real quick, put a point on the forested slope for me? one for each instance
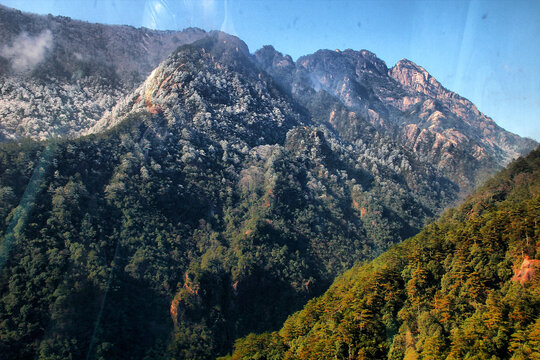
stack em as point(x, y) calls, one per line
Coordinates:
point(208, 206)
point(466, 287)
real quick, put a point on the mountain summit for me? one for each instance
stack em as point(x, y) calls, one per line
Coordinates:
point(404, 103)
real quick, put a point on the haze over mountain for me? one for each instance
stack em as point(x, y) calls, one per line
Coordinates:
point(216, 197)
point(60, 75)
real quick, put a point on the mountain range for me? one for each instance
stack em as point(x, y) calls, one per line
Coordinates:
point(164, 193)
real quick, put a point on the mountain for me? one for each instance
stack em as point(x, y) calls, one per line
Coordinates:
point(59, 76)
point(207, 205)
point(209, 201)
point(465, 287)
point(406, 104)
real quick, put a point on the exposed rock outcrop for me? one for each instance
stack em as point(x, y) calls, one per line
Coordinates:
point(404, 103)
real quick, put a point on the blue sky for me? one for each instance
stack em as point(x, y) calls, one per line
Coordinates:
point(485, 50)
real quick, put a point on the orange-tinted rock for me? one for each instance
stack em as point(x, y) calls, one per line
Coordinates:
point(174, 309)
point(527, 271)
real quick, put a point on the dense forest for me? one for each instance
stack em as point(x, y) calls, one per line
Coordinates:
point(465, 287)
point(213, 202)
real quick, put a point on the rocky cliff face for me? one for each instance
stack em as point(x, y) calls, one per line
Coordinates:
point(59, 75)
point(404, 103)
point(440, 110)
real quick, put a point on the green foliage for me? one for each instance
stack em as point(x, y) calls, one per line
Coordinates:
point(125, 224)
point(453, 291)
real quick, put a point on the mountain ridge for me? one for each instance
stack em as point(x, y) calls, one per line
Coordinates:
point(408, 105)
point(60, 75)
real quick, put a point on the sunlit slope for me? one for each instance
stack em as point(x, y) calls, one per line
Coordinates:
point(465, 287)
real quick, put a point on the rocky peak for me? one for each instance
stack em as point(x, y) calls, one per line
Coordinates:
point(367, 61)
point(446, 112)
point(222, 43)
point(280, 67)
point(350, 75)
point(416, 78)
point(268, 57)
point(212, 86)
point(348, 62)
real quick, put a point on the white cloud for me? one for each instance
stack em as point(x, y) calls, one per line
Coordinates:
point(26, 51)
